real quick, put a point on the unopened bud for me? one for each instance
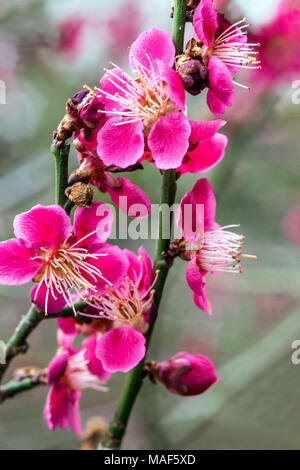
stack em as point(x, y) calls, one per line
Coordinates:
point(193, 74)
point(187, 374)
point(81, 194)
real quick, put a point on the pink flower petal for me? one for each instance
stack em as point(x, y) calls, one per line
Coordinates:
point(120, 145)
point(99, 217)
point(113, 266)
point(115, 76)
point(202, 130)
point(147, 269)
point(156, 44)
point(175, 87)
point(43, 226)
point(216, 106)
point(57, 367)
point(205, 21)
point(203, 194)
point(169, 140)
point(121, 349)
point(62, 409)
point(15, 265)
point(196, 211)
point(220, 91)
point(134, 195)
point(207, 154)
point(197, 284)
point(189, 218)
point(202, 302)
point(45, 300)
point(66, 332)
point(94, 364)
point(67, 325)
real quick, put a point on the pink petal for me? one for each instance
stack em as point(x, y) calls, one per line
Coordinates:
point(62, 408)
point(113, 266)
point(202, 130)
point(207, 154)
point(67, 325)
point(134, 195)
point(121, 349)
point(99, 217)
point(202, 302)
point(147, 269)
point(43, 226)
point(140, 269)
point(169, 140)
point(94, 364)
point(115, 76)
point(205, 21)
point(175, 87)
point(203, 194)
point(189, 218)
point(120, 145)
point(155, 43)
point(197, 284)
point(47, 303)
point(216, 106)
point(220, 91)
point(57, 367)
point(15, 265)
point(66, 332)
point(64, 340)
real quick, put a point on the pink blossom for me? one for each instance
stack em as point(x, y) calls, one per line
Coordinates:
point(70, 36)
point(212, 248)
point(150, 106)
point(123, 26)
point(101, 176)
point(291, 225)
point(69, 372)
point(61, 258)
point(187, 374)
point(128, 307)
point(280, 45)
point(224, 50)
point(206, 147)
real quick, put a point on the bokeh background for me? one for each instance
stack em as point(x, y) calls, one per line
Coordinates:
point(48, 50)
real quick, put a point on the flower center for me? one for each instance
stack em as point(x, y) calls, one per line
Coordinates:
point(144, 98)
point(65, 268)
point(232, 48)
point(222, 251)
point(125, 304)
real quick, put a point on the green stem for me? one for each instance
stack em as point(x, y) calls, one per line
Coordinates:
point(61, 156)
point(17, 342)
point(179, 19)
point(14, 387)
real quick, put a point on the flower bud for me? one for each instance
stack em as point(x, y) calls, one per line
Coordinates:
point(186, 374)
point(193, 74)
point(81, 194)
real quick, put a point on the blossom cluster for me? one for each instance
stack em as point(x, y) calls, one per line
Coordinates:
point(130, 120)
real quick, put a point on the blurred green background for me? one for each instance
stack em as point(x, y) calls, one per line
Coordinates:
point(255, 404)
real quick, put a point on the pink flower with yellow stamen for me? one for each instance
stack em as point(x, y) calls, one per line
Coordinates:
point(209, 248)
point(129, 307)
point(149, 106)
point(60, 258)
point(224, 50)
